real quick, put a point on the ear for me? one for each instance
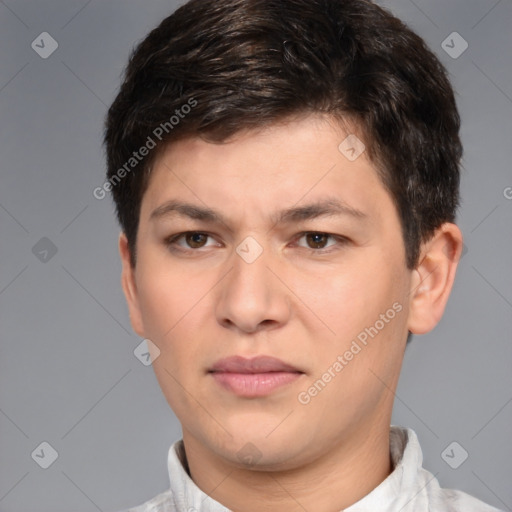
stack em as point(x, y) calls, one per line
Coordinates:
point(129, 285)
point(433, 278)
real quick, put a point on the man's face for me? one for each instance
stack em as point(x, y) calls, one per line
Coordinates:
point(326, 294)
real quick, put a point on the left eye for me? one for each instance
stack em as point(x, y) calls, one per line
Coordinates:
point(316, 240)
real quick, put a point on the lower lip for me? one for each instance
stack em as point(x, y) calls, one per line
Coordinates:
point(252, 385)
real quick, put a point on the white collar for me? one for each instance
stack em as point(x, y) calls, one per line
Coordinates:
point(409, 487)
point(405, 454)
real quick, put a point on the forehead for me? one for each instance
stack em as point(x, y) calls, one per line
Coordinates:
point(259, 171)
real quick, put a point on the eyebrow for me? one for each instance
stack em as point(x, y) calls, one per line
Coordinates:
point(322, 208)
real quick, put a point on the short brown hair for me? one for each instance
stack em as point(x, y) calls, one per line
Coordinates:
point(247, 63)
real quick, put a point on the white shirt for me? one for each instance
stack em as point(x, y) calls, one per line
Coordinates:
point(409, 488)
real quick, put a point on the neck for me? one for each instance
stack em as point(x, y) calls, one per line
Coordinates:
point(333, 481)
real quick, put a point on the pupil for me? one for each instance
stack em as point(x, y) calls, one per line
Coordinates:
point(317, 239)
point(195, 239)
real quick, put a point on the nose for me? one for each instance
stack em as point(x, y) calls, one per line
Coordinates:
point(251, 298)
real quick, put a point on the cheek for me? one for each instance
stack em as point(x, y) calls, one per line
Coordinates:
point(346, 299)
point(168, 308)
point(163, 301)
point(172, 307)
point(361, 306)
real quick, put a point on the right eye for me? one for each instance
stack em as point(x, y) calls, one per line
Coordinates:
point(192, 239)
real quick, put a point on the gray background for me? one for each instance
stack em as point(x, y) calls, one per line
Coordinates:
point(68, 374)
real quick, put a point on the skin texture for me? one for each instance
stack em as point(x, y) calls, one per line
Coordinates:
point(293, 302)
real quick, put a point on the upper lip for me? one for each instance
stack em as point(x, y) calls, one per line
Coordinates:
point(258, 364)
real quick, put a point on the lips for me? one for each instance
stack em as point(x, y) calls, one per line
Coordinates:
point(255, 377)
point(259, 364)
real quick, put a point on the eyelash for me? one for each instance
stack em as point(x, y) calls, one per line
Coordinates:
point(171, 242)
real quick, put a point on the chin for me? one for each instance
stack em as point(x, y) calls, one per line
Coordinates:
point(251, 449)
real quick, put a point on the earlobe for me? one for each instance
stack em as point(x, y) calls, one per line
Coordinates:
point(433, 278)
point(129, 285)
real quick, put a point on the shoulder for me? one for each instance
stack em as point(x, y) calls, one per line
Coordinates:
point(161, 503)
point(422, 488)
point(458, 501)
point(452, 500)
